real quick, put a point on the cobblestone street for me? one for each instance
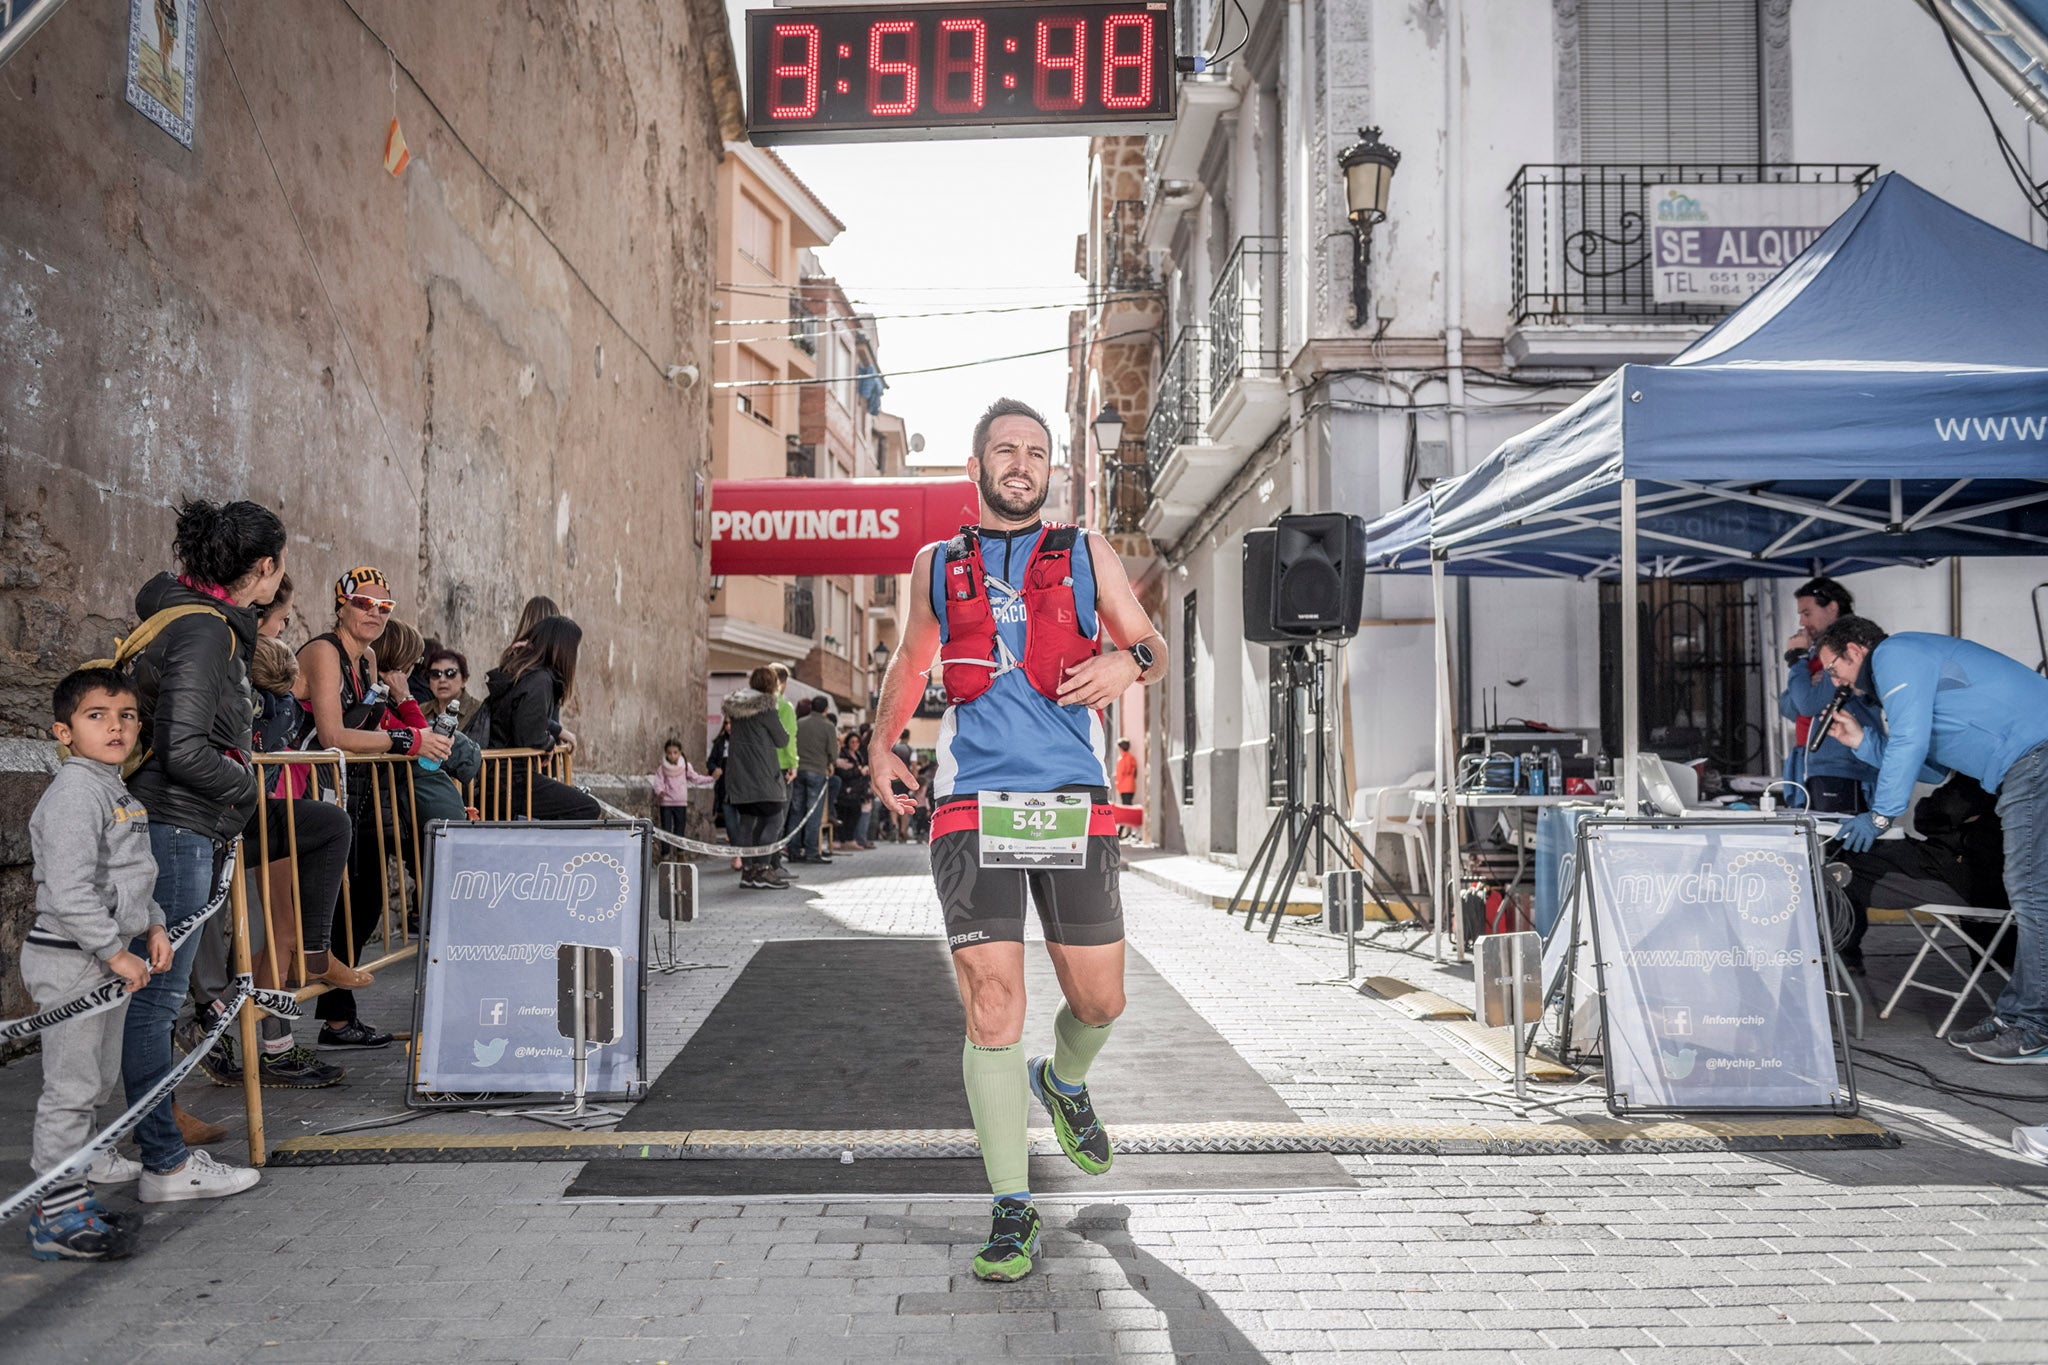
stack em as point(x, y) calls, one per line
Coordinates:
point(1930, 1252)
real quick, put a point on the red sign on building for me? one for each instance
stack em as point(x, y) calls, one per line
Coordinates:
point(832, 526)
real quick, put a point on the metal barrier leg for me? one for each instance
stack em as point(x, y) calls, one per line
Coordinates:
point(252, 1083)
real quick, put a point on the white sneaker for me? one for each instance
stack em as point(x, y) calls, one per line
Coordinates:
point(113, 1169)
point(201, 1177)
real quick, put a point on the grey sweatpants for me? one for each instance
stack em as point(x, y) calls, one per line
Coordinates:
point(81, 1057)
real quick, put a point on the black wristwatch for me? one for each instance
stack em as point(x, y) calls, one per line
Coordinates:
point(1142, 652)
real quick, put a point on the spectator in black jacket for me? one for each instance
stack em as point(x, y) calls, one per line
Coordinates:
point(195, 781)
point(1959, 859)
point(526, 691)
point(753, 775)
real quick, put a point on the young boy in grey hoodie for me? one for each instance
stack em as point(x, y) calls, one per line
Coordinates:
point(95, 882)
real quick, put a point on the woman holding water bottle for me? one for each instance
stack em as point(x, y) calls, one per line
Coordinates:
point(349, 702)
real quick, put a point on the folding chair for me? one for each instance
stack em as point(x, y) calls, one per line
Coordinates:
point(1931, 921)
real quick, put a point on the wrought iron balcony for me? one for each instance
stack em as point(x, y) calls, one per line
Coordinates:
point(1580, 242)
point(1244, 313)
point(803, 326)
point(1126, 488)
point(1127, 267)
point(800, 461)
point(799, 611)
point(1182, 401)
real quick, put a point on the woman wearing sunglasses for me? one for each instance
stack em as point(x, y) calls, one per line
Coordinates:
point(339, 670)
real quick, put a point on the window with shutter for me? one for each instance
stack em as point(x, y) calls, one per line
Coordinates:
point(751, 369)
point(1669, 81)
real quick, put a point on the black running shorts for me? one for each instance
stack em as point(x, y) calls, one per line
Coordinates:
point(1076, 905)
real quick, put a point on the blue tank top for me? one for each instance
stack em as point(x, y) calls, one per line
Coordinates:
point(1011, 737)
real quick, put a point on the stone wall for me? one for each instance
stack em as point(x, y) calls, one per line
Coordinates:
point(458, 374)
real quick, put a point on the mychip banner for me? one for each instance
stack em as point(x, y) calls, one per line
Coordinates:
point(502, 899)
point(1714, 974)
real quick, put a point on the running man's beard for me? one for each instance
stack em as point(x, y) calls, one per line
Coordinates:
point(1001, 502)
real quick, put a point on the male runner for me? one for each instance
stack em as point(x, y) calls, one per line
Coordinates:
point(1022, 726)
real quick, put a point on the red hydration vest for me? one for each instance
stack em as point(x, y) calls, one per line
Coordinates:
point(1053, 641)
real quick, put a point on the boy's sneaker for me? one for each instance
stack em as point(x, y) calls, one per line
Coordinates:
point(355, 1033)
point(221, 1065)
point(298, 1069)
point(1073, 1120)
point(2013, 1047)
point(1983, 1031)
point(1012, 1241)
point(201, 1177)
point(79, 1232)
point(113, 1169)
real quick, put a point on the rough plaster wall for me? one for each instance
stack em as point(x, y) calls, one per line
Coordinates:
point(415, 372)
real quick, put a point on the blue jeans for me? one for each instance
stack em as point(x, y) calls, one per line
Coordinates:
point(185, 864)
point(2023, 809)
point(803, 793)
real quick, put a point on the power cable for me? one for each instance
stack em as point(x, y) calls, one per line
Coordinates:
point(397, 462)
point(842, 320)
point(605, 307)
point(887, 375)
point(2036, 195)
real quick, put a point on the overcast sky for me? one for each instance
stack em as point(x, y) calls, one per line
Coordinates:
point(956, 226)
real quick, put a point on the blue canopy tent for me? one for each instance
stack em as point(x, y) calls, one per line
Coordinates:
point(1883, 400)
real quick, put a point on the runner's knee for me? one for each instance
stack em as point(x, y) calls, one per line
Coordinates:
point(995, 1011)
point(1098, 1008)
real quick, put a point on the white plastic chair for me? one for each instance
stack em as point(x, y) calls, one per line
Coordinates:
point(1931, 920)
point(1391, 810)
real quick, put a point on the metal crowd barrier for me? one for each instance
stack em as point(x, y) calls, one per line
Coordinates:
point(501, 790)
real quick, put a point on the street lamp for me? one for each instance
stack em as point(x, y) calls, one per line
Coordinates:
point(879, 657)
point(1369, 166)
point(1109, 429)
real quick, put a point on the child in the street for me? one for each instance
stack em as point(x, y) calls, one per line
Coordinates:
point(673, 780)
point(95, 879)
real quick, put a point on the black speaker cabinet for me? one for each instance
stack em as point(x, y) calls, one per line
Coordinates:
point(1318, 585)
point(1258, 589)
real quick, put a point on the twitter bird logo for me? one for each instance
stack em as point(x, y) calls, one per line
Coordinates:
point(1677, 1066)
point(487, 1054)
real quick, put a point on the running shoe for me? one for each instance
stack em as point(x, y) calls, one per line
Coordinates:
point(221, 1064)
point(355, 1033)
point(1073, 1120)
point(1012, 1241)
point(2013, 1047)
point(1983, 1031)
point(79, 1232)
point(298, 1069)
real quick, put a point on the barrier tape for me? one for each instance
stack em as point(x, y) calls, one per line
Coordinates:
point(713, 850)
point(110, 993)
point(74, 1167)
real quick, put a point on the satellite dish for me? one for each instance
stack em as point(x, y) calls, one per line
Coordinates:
point(916, 442)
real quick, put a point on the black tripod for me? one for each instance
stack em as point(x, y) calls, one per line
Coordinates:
point(1302, 825)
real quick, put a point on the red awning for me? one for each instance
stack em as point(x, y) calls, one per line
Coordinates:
point(828, 526)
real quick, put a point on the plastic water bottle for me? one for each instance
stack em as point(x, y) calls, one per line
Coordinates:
point(444, 725)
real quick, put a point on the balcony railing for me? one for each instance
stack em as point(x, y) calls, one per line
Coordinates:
point(883, 591)
point(1126, 489)
point(1183, 399)
point(799, 611)
point(1244, 313)
point(1580, 242)
point(1127, 267)
point(803, 326)
point(800, 461)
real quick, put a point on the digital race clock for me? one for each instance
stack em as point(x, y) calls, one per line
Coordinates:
point(866, 72)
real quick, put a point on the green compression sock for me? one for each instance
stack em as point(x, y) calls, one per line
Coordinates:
point(1074, 1047)
point(999, 1097)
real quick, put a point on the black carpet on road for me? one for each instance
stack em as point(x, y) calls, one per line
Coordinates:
point(865, 1033)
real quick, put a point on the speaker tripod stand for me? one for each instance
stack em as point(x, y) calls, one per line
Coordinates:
point(1303, 825)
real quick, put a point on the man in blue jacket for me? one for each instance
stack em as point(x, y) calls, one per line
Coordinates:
point(1950, 704)
point(1836, 782)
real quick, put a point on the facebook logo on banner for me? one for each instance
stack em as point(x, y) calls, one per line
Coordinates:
point(493, 1013)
